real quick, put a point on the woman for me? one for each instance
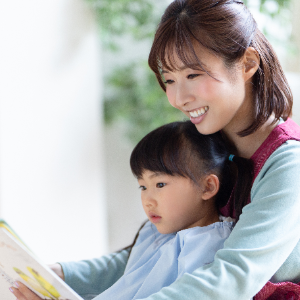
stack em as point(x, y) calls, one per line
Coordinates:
point(219, 69)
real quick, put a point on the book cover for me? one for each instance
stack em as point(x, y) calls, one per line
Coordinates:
point(18, 263)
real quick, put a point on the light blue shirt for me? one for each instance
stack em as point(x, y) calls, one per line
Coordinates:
point(157, 260)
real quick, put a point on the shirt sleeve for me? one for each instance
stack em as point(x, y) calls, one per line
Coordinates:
point(264, 237)
point(89, 278)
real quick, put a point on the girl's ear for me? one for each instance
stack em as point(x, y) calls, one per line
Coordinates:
point(211, 186)
point(251, 61)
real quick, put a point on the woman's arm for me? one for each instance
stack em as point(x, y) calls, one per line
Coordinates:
point(89, 278)
point(264, 237)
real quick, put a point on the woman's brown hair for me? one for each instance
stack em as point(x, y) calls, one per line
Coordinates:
point(225, 28)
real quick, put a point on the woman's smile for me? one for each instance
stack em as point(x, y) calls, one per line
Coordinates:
point(197, 115)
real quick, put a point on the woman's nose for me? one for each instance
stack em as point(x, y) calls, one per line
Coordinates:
point(183, 96)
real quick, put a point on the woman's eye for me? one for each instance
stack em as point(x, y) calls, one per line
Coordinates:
point(160, 185)
point(142, 187)
point(192, 76)
point(168, 81)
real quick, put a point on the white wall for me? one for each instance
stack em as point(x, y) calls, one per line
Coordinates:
point(52, 186)
point(125, 212)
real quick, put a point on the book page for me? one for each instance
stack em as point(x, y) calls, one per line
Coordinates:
point(17, 263)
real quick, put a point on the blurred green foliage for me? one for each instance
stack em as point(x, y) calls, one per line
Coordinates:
point(277, 25)
point(138, 101)
point(271, 8)
point(124, 17)
point(132, 94)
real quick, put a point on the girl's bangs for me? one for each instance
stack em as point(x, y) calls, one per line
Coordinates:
point(161, 151)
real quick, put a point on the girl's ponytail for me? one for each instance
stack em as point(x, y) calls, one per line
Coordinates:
point(243, 185)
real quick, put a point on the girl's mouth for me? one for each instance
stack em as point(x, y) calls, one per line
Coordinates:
point(198, 112)
point(154, 218)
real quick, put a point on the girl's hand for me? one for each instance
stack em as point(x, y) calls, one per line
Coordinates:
point(56, 268)
point(24, 293)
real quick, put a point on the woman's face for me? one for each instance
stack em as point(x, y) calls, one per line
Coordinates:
point(211, 102)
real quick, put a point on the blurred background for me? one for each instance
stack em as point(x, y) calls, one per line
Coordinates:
point(76, 95)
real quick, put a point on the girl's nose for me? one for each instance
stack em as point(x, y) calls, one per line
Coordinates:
point(149, 200)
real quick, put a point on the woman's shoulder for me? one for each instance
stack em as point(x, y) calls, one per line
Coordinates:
point(285, 155)
point(281, 169)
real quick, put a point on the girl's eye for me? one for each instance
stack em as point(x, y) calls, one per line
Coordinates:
point(192, 76)
point(142, 187)
point(160, 185)
point(168, 81)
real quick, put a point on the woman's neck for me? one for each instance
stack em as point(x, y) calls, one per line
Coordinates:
point(246, 146)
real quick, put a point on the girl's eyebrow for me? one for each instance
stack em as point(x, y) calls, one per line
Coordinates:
point(156, 174)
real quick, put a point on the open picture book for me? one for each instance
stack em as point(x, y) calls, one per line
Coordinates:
point(18, 263)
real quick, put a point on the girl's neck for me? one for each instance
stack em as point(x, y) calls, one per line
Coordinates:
point(210, 214)
point(246, 146)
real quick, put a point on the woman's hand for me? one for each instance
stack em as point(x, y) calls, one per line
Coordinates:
point(23, 292)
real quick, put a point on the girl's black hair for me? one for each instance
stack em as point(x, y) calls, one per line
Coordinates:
point(178, 149)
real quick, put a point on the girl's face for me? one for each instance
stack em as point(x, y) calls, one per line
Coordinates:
point(211, 102)
point(173, 203)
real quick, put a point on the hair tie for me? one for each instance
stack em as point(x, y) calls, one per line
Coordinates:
point(231, 156)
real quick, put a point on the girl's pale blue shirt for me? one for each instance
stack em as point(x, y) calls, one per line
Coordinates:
point(157, 260)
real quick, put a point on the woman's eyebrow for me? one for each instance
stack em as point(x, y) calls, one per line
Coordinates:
point(195, 67)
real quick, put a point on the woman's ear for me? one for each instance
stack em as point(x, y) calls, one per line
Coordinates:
point(211, 186)
point(251, 61)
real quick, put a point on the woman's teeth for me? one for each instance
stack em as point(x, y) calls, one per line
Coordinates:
point(198, 112)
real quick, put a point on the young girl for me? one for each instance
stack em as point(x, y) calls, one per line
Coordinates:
point(185, 178)
point(218, 68)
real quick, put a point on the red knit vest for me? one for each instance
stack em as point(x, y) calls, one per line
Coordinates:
point(288, 130)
